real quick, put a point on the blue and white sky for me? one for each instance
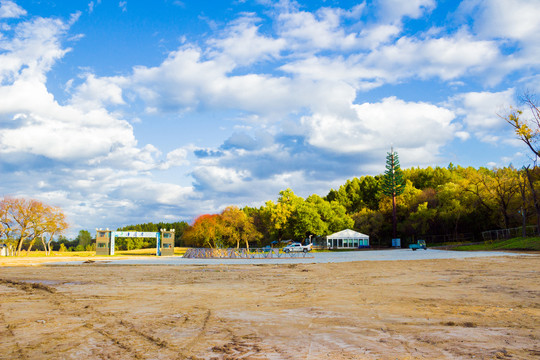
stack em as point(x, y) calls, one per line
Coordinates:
point(125, 112)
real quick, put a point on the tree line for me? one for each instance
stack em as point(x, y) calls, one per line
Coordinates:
point(140, 243)
point(441, 201)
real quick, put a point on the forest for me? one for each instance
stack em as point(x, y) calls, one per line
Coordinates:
point(437, 204)
point(441, 204)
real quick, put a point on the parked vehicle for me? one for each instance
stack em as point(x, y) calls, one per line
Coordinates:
point(420, 244)
point(297, 247)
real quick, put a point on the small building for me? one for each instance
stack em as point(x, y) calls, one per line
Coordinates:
point(347, 239)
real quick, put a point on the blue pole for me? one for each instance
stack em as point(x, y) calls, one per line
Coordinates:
point(158, 244)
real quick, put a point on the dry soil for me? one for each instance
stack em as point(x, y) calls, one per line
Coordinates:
point(482, 308)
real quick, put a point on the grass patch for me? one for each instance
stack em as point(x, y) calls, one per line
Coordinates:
point(39, 253)
point(527, 244)
point(139, 252)
point(149, 251)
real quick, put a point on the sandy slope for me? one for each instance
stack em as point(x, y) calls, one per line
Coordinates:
point(484, 308)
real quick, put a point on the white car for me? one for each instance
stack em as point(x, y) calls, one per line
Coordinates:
point(297, 247)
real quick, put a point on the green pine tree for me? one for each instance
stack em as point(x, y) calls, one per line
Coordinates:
point(393, 184)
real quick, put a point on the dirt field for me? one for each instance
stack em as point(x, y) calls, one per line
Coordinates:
point(484, 308)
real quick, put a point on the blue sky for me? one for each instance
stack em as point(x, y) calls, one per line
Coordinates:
point(125, 112)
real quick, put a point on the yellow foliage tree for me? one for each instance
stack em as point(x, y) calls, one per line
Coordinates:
point(26, 220)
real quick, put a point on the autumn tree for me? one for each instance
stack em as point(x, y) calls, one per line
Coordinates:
point(26, 220)
point(501, 185)
point(54, 223)
point(526, 123)
point(393, 184)
point(238, 227)
point(279, 215)
point(206, 231)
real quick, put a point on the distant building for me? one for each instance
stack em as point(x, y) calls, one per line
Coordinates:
point(347, 239)
point(6, 250)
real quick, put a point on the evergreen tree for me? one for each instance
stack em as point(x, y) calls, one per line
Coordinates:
point(393, 184)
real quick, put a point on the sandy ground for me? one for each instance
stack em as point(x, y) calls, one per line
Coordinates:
point(482, 308)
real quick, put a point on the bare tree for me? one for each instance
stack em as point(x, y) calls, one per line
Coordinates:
point(527, 128)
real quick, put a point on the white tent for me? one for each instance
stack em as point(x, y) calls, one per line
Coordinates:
point(347, 239)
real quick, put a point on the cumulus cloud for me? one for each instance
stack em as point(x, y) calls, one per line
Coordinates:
point(315, 31)
point(243, 43)
point(514, 24)
point(292, 101)
point(8, 9)
point(516, 19)
point(395, 10)
point(31, 50)
point(80, 147)
point(446, 57)
point(480, 112)
point(377, 125)
point(96, 92)
point(42, 127)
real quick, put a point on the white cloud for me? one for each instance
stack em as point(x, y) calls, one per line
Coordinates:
point(514, 25)
point(516, 19)
point(335, 69)
point(243, 44)
point(310, 32)
point(96, 92)
point(395, 10)
point(221, 179)
point(181, 81)
point(177, 157)
point(463, 135)
point(446, 57)
point(123, 5)
point(481, 110)
point(307, 112)
point(420, 128)
point(8, 9)
point(92, 5)
point(42, 127)
point(185, 81)
point(33, 49)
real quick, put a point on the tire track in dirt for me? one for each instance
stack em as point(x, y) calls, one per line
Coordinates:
point(9, 331)
point(189, 346)
point(247, 346)
point(126, 336)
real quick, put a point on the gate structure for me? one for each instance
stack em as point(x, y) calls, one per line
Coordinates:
point(105, 240)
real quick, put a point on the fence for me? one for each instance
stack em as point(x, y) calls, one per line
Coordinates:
point(446, 238)
point(504, 234)
point(254, 253)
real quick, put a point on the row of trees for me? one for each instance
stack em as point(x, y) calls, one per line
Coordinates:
point(229, 229)
point(428, 202)
point(24, 221)
point(410, 203)
point(446, 202)
point(138, 243)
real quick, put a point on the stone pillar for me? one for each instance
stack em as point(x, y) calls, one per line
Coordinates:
point(167, 242)
point(103, 242)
